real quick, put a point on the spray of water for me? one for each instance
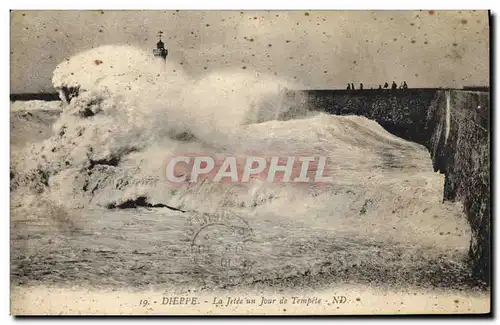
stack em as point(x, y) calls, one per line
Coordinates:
point(127, 112)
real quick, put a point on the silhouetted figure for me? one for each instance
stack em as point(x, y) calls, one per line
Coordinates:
point(379, 86)
point(394, 85)
point(360, 86)
point(405, 86)
point(386, 85)
point(401, 86)
point(348, 86)
point(352, 86)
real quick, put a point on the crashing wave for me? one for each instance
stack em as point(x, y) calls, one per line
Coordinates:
point(132, 112)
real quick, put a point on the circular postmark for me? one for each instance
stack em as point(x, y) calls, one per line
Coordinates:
point(220, 243)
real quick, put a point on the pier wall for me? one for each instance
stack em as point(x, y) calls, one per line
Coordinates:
point(454, 125)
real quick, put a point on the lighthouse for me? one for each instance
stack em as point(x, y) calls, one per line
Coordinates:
point(160, 50)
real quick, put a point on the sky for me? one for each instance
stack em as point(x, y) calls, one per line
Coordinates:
point(318, 49)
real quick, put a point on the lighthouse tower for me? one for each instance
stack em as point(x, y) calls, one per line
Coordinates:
point(160, 50)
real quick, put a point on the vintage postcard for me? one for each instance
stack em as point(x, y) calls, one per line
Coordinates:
point(268, 162)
